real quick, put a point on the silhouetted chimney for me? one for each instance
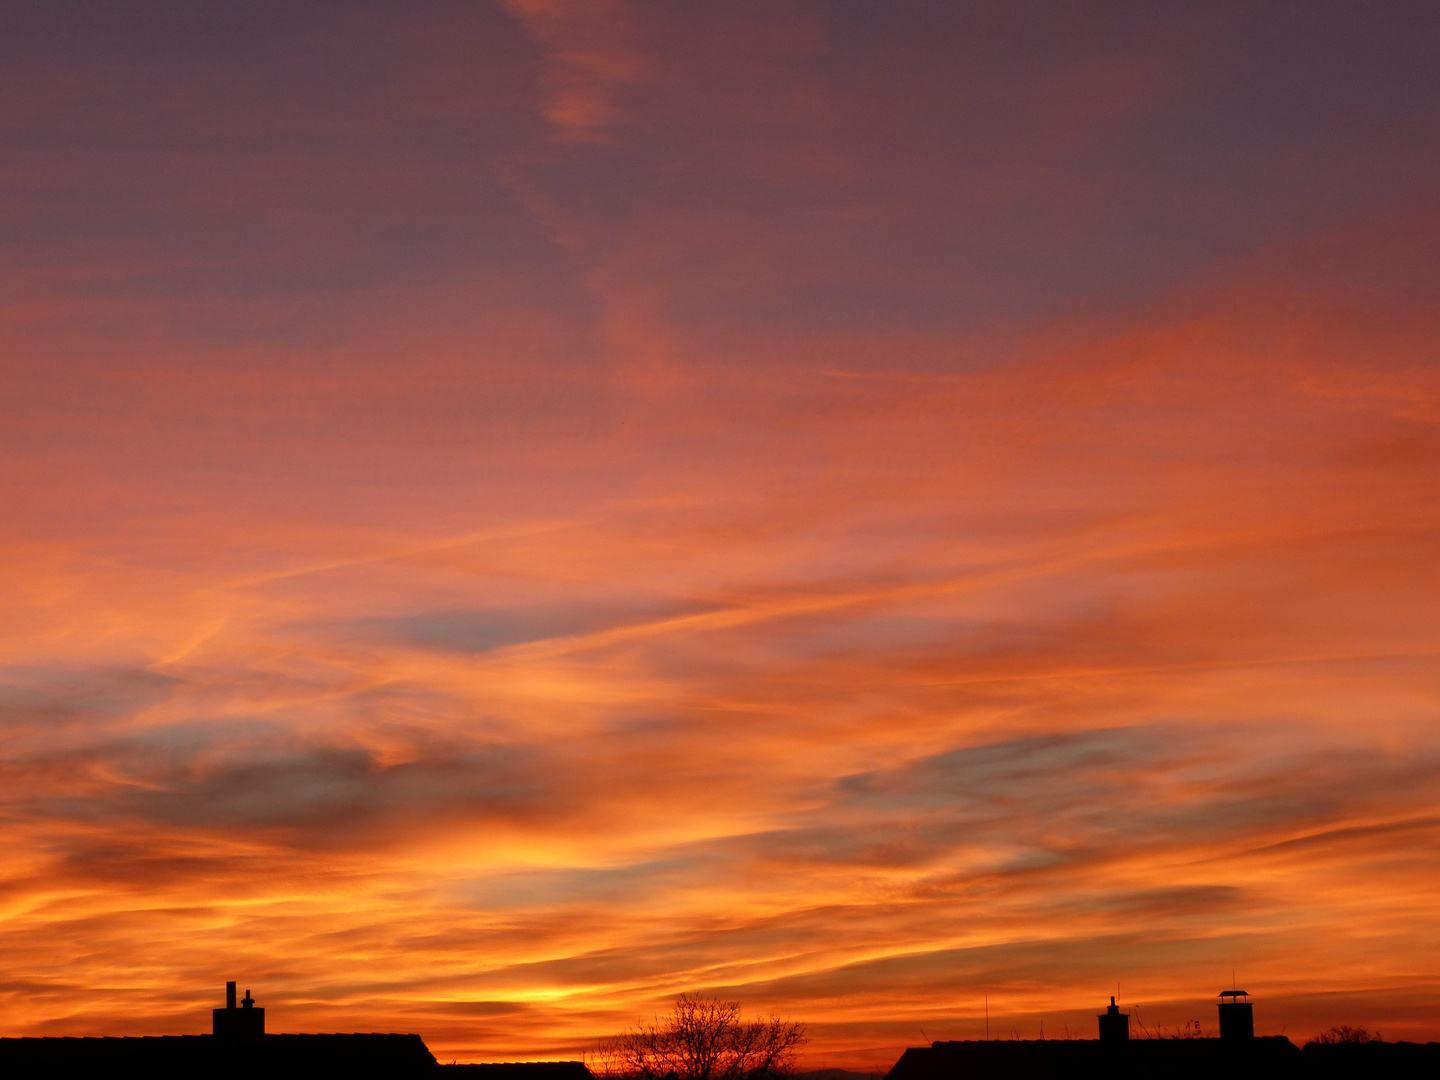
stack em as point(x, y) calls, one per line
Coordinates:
point(1237, 1018)
point(245, 1022)
point(1114, 1025)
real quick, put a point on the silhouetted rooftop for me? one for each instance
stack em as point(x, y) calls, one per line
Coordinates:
point(1271, 1056)
point(261, 1057)
point(1371, 1059)
point(1138, 1059)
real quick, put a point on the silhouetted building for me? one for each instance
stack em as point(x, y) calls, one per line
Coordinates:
point(239, 1049)
point(1237, 1055)
point(1274, 1058)
point(243, 1023)
point(1237, 1018)
point(188, 1057)
point(1114, 1025)
point(1341, 1061)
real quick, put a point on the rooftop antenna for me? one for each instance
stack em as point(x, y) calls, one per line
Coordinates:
point(987, 1017)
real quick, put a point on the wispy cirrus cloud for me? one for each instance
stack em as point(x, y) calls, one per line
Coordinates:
point(515, 513)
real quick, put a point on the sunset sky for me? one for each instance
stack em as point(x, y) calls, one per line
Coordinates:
point(510, 512)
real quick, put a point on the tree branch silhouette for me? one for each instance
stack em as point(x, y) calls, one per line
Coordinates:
point(703, 1038)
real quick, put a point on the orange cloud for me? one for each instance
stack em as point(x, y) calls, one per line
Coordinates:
point(722, 570)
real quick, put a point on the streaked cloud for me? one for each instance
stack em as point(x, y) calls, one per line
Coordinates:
point(516, 512)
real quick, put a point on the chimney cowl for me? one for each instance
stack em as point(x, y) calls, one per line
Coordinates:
point(1114, 1025)
point(1237, 1016)
point(246, 1022)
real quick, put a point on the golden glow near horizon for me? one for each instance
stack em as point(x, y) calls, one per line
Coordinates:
point(628, 505)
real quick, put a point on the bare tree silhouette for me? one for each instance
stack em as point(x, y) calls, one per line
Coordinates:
point(703, 1038)
point(1345, 1033)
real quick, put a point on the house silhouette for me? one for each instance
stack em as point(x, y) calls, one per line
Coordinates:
point(1238, 1054)
point(238, 1046)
